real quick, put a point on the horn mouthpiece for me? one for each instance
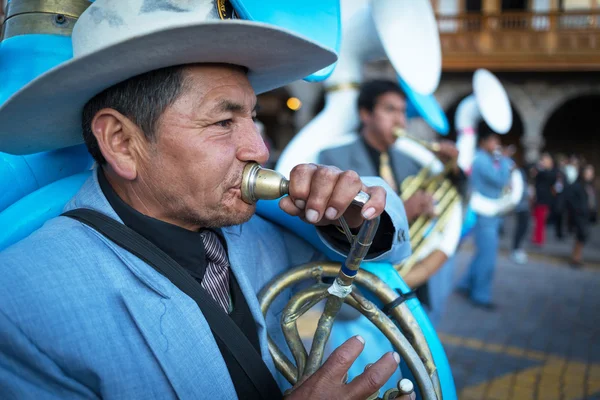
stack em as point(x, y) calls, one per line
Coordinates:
point(262, 184)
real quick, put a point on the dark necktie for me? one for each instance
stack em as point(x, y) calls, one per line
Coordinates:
point(216, 277)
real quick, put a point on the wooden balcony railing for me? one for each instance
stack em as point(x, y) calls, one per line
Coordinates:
point(523, 41)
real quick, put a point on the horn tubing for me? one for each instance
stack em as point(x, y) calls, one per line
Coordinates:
point(401, 314)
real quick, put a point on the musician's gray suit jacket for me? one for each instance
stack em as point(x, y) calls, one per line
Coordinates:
point(355, 156)
point(81, 318)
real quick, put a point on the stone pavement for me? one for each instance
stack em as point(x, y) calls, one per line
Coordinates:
point(541, 343)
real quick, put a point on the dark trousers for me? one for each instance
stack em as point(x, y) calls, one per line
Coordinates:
point(521, 227)
point(559, 224)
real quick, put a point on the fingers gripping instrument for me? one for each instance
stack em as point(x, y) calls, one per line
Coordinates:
point(259, 183)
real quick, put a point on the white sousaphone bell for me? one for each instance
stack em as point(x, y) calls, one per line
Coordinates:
point(489, 101)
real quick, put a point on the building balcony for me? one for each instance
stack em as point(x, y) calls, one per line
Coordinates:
point(521, 41)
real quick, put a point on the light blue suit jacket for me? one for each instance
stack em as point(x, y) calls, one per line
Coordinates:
point(489, 176)
point(82, 318)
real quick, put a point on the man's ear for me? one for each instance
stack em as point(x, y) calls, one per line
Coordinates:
point(365, 115)
point(121, 142)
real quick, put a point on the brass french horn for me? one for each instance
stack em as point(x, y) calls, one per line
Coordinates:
point(408, 339)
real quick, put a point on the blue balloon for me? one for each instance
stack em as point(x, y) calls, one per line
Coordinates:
point(319, 20)
point(426, 107)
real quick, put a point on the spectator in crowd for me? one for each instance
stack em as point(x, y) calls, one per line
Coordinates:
point(544, 182)
point(558, 190)
point(572, 169)
point(583, 205)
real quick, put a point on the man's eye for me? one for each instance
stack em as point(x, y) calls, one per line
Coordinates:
point(226, 123)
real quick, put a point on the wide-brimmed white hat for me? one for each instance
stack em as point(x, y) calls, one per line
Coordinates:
point(114, 40)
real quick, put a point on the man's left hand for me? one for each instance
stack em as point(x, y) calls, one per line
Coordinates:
point(321, 194)
point(447, 151)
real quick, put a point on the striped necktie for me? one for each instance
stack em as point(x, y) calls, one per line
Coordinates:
point(385, 171)
point(216, 277)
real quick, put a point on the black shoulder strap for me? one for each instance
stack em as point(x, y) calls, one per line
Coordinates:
point(224, 328)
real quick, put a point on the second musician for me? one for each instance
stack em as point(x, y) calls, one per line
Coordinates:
point(382, 109)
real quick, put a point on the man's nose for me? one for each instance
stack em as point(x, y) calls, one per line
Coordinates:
point(401, 121)
point(253, 146)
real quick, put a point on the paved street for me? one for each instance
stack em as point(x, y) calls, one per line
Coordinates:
point(542, 342)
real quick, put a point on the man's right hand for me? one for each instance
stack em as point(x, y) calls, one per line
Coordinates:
point(420, 203)
point(328, 382)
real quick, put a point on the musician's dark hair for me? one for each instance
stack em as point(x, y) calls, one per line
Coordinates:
point(143, 99)
point(483, 131)
point(370, 92)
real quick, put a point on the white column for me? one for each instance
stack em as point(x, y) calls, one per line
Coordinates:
point(532, 140)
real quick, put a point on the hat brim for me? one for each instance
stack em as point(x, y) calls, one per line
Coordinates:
point(46, 113)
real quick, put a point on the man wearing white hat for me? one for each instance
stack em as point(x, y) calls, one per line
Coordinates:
point(164, 92)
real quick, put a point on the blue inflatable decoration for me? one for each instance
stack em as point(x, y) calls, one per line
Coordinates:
point(25, 57)
point(28, 214)
point(35, 187)
point(21, 175)
point(318, 20)
point(426, 107)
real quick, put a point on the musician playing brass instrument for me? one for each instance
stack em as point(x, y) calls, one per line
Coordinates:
point(382, 109)
point(164, 93)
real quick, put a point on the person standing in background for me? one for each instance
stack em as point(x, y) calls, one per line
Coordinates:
point(582, 203)
point(572, 169)
point(489, 176)
point(558, 189)
point(544, 181)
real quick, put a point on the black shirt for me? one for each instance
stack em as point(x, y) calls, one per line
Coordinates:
point(187, 249)
point(544, 181)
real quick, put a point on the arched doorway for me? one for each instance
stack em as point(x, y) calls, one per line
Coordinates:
point(512, 137)
point(573, 128)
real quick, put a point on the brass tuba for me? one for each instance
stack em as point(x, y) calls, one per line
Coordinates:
point(259, 183)
point(446, 198)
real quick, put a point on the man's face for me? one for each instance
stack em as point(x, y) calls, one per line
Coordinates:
point(388, 114)
point(203, 141)
point(547, 162)
point(491, 143)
